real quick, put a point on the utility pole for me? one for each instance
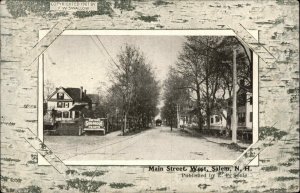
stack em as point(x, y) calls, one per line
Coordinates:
point(234, 99)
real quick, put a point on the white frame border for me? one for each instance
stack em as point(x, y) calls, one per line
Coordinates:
point(254, 33)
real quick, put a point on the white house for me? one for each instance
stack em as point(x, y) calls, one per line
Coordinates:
point(244, 113)
point(68, 103)
point(218, 120)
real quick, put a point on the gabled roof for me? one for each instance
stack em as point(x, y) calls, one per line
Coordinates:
point(56, 90)
point(77, 107)
point(74, 93)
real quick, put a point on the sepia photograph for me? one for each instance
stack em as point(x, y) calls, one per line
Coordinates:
point(147, 97)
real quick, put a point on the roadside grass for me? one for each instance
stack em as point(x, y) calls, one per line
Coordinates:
point(233, 146)
point(134, 131)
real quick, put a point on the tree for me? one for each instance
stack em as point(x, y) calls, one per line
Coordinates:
point(244, 61)
point(197, 64)
point(135, 90)
point(206, 62)
point(49, 88)
point(175, 95)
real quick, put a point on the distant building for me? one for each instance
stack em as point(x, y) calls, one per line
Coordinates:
point(68, 103)
point(185, 115)
point(219, 118)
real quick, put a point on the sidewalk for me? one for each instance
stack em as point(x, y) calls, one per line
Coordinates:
point(217, 140)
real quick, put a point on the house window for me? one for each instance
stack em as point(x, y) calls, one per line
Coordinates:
point(58, 114)
point(60, 95)
point(250, 100)
point(241, 118)
point(66, 105)
point(59, 104)
point(212, 120)
point(217, 119)
point(66, 114)
point(251, 117)
point(76, 114)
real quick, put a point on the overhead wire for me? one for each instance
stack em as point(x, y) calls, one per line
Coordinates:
point(108, 53)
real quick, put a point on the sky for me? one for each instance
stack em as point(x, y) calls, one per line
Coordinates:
point(74, 61)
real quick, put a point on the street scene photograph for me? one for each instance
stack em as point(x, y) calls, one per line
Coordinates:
point(147, 97)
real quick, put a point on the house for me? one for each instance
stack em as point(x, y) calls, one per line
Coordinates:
point(68, 103)
point(185, 115)
point(219, 118)
point(245, 110)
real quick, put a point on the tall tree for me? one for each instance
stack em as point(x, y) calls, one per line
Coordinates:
point(135, 89)
point(196, 63)
point(175, 95)
point(206, 61)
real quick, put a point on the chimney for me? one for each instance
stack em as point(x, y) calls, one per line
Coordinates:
point(81, 91)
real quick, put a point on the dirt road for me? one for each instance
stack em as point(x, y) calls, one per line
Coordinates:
point(158, 143)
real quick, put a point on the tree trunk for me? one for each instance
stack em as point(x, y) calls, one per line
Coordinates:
point(199, 115)
point(207, 90)
point(125, 120)
point(207, 104)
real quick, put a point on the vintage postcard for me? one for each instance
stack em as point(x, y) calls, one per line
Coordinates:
point(149, 96)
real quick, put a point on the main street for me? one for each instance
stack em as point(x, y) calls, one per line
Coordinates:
point(159, 143)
